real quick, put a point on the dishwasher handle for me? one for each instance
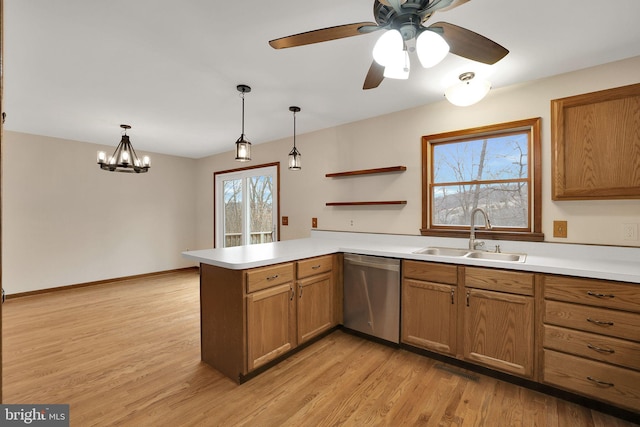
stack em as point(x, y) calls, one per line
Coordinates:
point(373, 262)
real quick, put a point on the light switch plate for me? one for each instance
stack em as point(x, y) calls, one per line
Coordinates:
point(314, 222)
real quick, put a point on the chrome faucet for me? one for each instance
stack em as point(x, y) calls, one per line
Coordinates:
point(473, 244)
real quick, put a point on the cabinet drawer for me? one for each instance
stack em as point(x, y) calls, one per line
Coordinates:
point(313, 266)
point(513, 282)
point(600, 381)
point(598, 347)
point(599, 293)
point(430, 271)
point(266, 277)
point(592, 319)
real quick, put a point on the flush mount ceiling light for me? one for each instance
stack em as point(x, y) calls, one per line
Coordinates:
point(124, 159)
point(243, 146)
point(295, 158)
point(468, 91)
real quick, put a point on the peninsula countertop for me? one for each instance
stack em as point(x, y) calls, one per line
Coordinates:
point(590, 261)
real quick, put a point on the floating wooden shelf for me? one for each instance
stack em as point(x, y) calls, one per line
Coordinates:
point(383, 202)
point(367, 171)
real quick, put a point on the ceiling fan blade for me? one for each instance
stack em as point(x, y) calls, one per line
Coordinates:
point(453, 4)
point(322, 35)
point(374, 76)
point(468, 44)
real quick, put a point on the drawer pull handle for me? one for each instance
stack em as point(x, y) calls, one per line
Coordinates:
point(601, 383)
point(275, 276)
point(599, 322)
point(315, 267)
point(600, 349)
point(597, 295)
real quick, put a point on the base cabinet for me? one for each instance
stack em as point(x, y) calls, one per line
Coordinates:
point(490, 324)
point(252, 317)
point(591, 339)
point(270, 324)
point(429, 307)
point(499, 331)
point(315, 297)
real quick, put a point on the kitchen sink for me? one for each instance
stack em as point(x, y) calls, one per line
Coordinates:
point(466, 253)
point(442, 251)
point(496, 256)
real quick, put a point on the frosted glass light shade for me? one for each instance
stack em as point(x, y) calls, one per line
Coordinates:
point(387, 46)
point(468, 91)
point(399, 67)
point(431, 48)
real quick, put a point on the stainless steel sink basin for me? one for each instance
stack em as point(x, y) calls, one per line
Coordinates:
point(497, 256)
point(466, 253)
point(442, 251)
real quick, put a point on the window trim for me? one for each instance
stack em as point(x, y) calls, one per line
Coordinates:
point(277, 194)
point(535, 193)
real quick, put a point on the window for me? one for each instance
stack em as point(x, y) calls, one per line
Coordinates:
point(496, 168)
point(246, 205)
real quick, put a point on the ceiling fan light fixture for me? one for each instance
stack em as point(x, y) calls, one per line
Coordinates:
point(387, 47)
point(243, 146)
point(399, 67)
point(431, 48)
point(468, 91)
point(295, 158)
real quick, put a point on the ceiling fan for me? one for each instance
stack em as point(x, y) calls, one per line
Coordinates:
point(406, 17)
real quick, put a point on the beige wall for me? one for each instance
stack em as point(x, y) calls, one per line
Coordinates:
point(65, 221)
point(394, 139)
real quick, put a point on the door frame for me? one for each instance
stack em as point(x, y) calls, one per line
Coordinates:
point(276, 193)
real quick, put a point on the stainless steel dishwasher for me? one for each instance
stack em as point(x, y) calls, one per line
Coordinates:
point(372, 296)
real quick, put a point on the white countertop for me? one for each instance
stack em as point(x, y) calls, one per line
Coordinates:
point(599, 262)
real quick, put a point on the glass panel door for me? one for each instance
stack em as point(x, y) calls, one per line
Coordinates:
point(244, 207)
point(261, 221)
point(233, 212)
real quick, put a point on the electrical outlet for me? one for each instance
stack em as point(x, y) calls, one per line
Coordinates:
point(314, 222)
point(560, 229)
point(285, 220)
point(629, 231)
point(351, 223)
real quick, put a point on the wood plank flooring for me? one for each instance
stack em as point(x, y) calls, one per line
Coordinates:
point(128, 354)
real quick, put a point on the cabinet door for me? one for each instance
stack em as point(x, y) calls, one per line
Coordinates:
point(315, 306)
point(429, 315)
point(498, 329)
point(270, 324)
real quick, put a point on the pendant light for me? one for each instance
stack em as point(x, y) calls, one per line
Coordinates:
point(468, 91)
point(124, 159)
point(295, 158)
point(243, 146)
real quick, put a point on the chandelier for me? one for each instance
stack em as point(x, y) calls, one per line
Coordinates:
point(124, 159)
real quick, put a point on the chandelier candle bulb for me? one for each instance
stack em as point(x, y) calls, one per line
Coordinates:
point(102, 157)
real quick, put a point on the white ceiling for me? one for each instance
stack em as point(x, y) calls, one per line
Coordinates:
point(77, 69)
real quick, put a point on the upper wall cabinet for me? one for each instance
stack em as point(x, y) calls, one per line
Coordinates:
point(596, 145)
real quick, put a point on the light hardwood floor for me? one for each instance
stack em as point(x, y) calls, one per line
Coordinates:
point(127, 353)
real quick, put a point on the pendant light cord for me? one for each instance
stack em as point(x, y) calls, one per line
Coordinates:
point(294, 129)
point(243, 113)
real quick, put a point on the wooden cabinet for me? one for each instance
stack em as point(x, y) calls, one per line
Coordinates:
point(429, 307)
point(315, 297)
point(498, 320)
point(270, 324)
point(490, 324)
point(252, 317)
point(595, 145)
point(591, 338)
